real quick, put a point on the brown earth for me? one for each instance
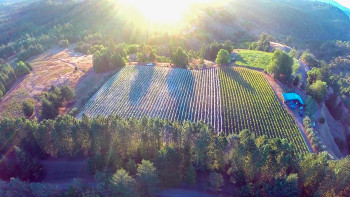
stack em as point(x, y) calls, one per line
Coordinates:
point(54, 67)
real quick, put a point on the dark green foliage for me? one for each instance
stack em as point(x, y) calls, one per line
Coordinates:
point(21, 69)
point(67, 93)
point(147, 179)
point(28, 108)
point(32, 50)
point(53, 99)
point(281, 66)
point(263, 44)
point(258, 166)
point(318, 90)
point(309, 59)
point(20, 164)
point(223, 57)
point(191, 175)
point(106, 59)
point(122, 184)
point(7, 78)
point(216, 181)
point(29, 66)
point(180, 58)
point(168, 164)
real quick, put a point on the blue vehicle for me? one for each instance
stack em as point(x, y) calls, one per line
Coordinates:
point(301, 111)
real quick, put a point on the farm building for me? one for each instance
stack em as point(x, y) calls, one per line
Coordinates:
point(293, 98)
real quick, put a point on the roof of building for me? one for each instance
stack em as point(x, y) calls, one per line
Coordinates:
point(292, 96)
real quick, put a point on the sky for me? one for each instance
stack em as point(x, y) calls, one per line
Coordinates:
point(345, 3)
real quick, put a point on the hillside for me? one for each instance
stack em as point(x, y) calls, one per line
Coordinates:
point(336, 4)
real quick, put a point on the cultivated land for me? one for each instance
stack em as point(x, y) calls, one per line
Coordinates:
point(251, 58)
point(56, 66)
point(229, 99)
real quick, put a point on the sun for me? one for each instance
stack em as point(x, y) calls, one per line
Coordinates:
point(164, 12)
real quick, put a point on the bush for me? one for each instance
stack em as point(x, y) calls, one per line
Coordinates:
point(223, 57)
point(28, 108)
point(63, 43)
point(216, 181)
point(21, 69)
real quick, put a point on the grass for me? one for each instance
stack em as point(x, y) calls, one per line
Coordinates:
point(255, 59)
point(258, 59)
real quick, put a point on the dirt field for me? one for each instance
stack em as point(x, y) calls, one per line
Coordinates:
point(54, 67)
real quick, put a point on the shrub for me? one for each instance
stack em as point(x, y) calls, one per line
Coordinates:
point(63, 43)
point(21, 69)
point(28, 108)
point(216, 181)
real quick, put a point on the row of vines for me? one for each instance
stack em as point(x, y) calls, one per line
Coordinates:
point(174, 94)
point(249, 103)
point(228, 99)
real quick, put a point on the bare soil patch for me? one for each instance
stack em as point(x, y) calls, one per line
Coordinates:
point(57, 66)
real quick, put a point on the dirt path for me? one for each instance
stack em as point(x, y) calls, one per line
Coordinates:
point(56, 66)
point(278, 91)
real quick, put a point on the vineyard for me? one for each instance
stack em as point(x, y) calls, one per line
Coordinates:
point(230, 100)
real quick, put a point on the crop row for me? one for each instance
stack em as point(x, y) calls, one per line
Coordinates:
point(249, 103)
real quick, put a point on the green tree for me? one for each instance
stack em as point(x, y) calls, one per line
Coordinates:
point(223, 57)
point(216, 181)
point(318, 90)
point(281, 66)
point(21, 69)
point(147, 179)
point(309, 59)
point(191, 175)
point(122, 184)
point(28, 107)
point(67, 93)
point(63, 43)
point(168, 163)
point(180, 58)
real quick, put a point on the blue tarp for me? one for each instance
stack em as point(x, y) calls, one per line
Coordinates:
point(292, 96)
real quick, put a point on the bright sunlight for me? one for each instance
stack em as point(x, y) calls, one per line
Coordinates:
point(165, 11)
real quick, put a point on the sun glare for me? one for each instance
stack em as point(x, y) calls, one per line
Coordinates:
point(164, 12)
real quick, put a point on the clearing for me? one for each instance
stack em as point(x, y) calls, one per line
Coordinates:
point(229, 99)
point(56, 66)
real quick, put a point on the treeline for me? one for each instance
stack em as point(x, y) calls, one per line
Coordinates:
point(8, 75)
point(140, 157)
point(7, 78)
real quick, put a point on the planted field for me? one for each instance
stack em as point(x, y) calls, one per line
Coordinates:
point(228, 99)
point(248, 102)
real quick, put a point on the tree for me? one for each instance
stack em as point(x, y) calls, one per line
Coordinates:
point(318, 90)
point(191, 175)
point(28, 107)
point(216, 181)
point(122, 184)
point(67, 93)
point(48, 109)
point(309, 59)
point(281, 66)
point(147, 179)
point(168, 164)
point(223, 57)
point(313, 75)
point(21, 69)
point(180, 58)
